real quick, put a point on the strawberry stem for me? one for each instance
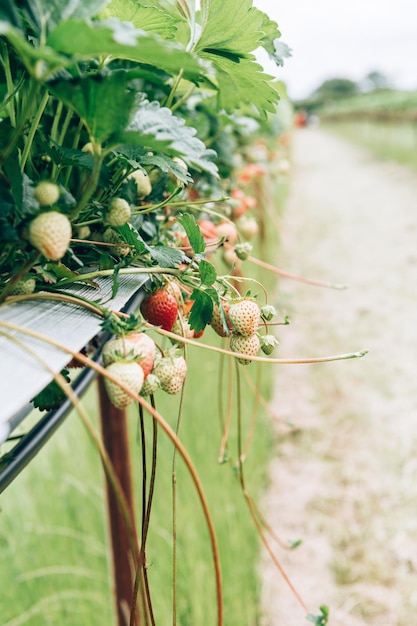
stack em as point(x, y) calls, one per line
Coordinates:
point(301, 279)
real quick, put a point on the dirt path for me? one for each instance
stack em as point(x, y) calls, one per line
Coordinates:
point(345, 481)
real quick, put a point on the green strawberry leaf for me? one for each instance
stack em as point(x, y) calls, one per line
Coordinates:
point(69, 157)
point(9, 13)
point(121, 40)
point(155, 127)
point(51, 396)
point(132, 237)
point(165, 256)
point(22, 189)
point(7, 231)
point(230, 25)
point(193, 232)
point(201, 311)
point(143, 15)
point(60, 270)
point(230, 31)
point(319, 620)
point(29, 54)
point(47, 14)
point(208, 273)
point(103, 102)
point(277, 50)
point(106, 262)
point(240, 81)
point(136, 156)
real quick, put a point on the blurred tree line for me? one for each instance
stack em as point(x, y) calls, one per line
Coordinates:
point(335, 89)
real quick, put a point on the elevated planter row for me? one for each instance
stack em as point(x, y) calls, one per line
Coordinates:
point(23, 377)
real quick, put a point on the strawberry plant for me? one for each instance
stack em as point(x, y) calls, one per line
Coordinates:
point(131, 137)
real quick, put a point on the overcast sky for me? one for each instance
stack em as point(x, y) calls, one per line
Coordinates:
point(348, 38)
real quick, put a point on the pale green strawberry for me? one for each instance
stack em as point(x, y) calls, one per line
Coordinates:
point(151, 384)
point(129, 374)
point(246, 345)
point(171, 372)
point(268, 344)
point(47, 193)
point(24, 287)
point(143, 183)
point(50, 233)
point(110, 236)
point(119, 212)
point(245, 316)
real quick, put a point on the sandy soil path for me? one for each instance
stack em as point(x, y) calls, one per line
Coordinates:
point(345, 480)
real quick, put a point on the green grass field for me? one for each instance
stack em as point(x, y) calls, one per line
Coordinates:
point(396, 141)
point(55, 565)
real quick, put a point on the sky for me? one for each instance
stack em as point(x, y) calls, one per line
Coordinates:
point(344, 39)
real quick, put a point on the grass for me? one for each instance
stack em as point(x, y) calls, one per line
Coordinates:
point(396, 141)
point(53, 536)
point(54, 559)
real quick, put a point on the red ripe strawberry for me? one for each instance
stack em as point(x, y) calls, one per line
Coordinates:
point(247, 345)
point(135, 346)
point(208, 230)
point(128, 373)
point(245, 316)
point(227, 230)
point(160, 309)
point(171, 372)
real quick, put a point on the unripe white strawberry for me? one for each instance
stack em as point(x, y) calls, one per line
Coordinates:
point(143, 183)
point(246, 345)
point(128, 373)
point(245, 316)
point(83, 232)
point(284, 166)
point(151, 384)
point(24, 287)
point(50, 233)
point(138, 347)
point(181, 163)
point(47, 193)
point(248, 227)
point(171, 372)
point(119, 212)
